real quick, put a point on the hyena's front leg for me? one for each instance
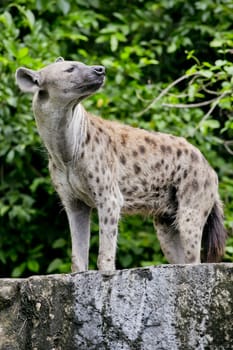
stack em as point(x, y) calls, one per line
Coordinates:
point(79, 222)
point(109, 214)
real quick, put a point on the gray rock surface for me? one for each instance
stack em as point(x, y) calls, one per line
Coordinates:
point(156, 308)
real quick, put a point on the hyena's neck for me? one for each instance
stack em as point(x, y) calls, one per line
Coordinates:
point(63, 131)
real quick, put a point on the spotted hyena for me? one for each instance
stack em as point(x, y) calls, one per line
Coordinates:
point(96, 163)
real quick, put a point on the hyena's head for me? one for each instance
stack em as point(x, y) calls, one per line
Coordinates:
point(61, 82)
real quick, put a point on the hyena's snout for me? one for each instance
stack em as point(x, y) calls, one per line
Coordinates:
point(93, 79)
point(98, 70)
point(97, 74)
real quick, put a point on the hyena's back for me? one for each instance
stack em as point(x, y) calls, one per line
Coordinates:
point(157, 172)
point(167, 177)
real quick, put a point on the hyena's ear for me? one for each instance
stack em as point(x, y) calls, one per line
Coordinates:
point(59, 59)
point(28, 80)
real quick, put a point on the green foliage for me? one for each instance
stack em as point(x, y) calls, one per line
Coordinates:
point(145, 46)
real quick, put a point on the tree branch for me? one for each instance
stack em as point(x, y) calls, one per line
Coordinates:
point(164, 92)
point(227, 144)
point(189, 105)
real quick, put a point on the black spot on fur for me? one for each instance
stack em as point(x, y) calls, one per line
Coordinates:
point(206, 184)
point(135, 153)
point(142, 149)
point(112, 221)
point(129, 193)
point(88, 138)
point(163, 148)
point(137, 169)
point(178, 152)
point(194, 156)
point(150, 140)
point(195, 185)
point(122, 159)
point(124, 138)
point(43, 95)
point(172, 196)
point(166, 219)
point(185, 174)
point(147, 139)
point(144, 182)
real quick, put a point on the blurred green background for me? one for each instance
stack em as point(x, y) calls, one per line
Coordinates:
point(145, 46)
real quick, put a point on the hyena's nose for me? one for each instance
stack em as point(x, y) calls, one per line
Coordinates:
point(99, 70)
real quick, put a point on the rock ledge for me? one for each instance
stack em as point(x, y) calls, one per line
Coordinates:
point(164, 307)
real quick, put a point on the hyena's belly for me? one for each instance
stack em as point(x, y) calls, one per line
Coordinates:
point(152, 199)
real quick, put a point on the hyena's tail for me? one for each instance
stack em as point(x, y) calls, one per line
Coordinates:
point(214, 235)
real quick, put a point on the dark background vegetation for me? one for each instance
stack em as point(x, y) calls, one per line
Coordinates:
point(145, 46)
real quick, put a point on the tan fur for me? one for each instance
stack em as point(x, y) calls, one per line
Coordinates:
point(95, 163)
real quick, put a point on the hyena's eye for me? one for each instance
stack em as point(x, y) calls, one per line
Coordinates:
point(70, 70)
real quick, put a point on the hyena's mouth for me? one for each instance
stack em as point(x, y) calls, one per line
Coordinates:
point(92, 86)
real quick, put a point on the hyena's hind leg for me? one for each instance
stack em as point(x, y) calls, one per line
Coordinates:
point(190, 223)
point(170, 242)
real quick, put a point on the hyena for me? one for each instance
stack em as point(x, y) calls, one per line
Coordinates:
point(96, 163)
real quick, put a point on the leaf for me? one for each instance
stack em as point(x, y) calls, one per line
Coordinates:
point(10, 156)
point(23, 52)
point(19, 270)
point(114, 43)
point(172, 47)
point(33, 265)
point(8, 18)
point(220, 63)
point(64, 6)
point(30, 17)
point(4, 209)
point(229, 70)
point(54, 265)
point(229, 250)
point(206, 73)
point(59, 243)
point(209, 124)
